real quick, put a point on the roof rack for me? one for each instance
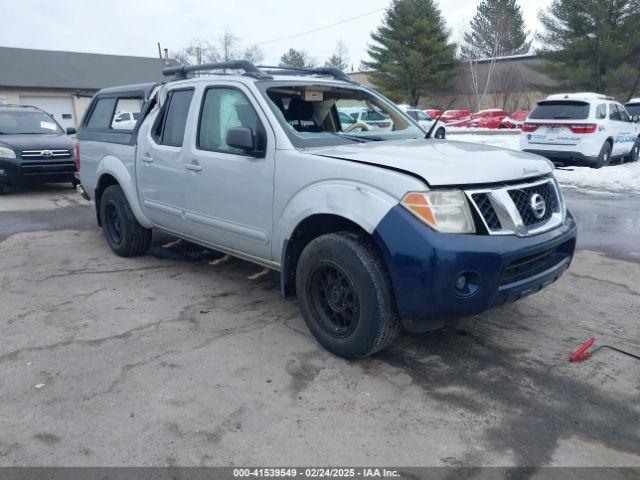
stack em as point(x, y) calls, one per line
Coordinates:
point(250, 70)
point(329, 71)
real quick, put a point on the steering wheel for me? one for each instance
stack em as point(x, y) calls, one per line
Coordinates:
point(357, 127)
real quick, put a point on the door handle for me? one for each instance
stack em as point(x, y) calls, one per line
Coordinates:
point(193, 166)
point(146, 159)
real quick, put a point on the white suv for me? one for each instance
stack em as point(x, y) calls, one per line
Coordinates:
point(580, 128)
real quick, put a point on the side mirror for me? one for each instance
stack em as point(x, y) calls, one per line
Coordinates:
point(71, 131)
point(242, 138)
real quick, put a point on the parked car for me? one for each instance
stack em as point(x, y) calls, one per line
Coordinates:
point(366, 119)
point(456, 117)
point(581, 128)
point(34, 148)
point(633, 107)
point(490, 118)
point(371, 231)
point(124, 120)
point(515, 120)
point(425, 121)
point(433, 113)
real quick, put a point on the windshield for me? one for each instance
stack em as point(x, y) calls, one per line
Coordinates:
point(323, 115)
point(418, 115)
point(561, 110)
point(633, 109)
point(19, 123)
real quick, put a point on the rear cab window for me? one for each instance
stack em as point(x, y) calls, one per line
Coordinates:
point(172, 120)
point(560, 110)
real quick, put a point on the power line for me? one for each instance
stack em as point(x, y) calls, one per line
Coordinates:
point(318, 28)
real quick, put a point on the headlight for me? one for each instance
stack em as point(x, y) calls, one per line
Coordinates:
point(7, 153)
point(444, 210)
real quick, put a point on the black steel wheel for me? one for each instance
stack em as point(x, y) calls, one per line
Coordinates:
point(113, 225)
point(334, 299)
point(345, 295)
point(124, 234)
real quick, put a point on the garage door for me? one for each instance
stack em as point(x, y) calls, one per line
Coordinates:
point(61, 108)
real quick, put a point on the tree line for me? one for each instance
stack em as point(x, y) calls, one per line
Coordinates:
point(227, 48)
point(591, 45)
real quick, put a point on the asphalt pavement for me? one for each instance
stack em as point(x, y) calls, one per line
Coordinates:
point(167, 360)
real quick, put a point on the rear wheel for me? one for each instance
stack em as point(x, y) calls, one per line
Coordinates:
point(345, 295)
point(604, 158)
point(124, 234)
point(440, 133)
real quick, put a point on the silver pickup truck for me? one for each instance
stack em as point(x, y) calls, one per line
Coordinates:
point(372, 227)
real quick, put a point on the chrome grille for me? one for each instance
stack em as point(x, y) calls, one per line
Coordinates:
point(509, 209)
point(45, 154)
point(521, 196)
point(487, 211)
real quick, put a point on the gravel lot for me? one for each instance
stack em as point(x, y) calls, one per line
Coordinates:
point(166, 360)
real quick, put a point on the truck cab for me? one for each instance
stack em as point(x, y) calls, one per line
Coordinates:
point(371, 230)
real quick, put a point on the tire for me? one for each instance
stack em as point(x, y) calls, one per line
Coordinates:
point(124, 234)
point(440, 133)
point(634, 155)
point(604, 157)
point(345, 295)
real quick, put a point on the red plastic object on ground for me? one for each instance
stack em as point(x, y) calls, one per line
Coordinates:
point(582, 354)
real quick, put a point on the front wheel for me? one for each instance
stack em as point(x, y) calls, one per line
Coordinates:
point(634, 155)
point(124, 234)
point(345, 295)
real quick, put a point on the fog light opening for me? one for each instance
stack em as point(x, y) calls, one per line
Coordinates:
point(461, 282)
point(466, 284)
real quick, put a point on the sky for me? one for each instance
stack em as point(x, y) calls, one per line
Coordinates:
point(133, 27)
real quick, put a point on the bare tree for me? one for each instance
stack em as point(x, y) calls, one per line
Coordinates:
point(340, 58)
point(254, 54)
point(481, 77)
point(228, 46)
point(196, 52)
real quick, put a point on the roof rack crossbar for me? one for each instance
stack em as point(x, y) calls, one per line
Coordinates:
point(250, 70)
point(329, 71)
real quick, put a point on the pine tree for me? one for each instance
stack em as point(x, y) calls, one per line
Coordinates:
point(411, 54)
point(497, 30)
point(592, 45)
point(296, 59)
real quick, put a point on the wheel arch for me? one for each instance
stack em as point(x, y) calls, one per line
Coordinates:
point(112, 171)
point(307, 230)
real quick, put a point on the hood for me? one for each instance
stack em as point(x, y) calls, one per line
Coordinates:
point(37, 141)
point(442, 163)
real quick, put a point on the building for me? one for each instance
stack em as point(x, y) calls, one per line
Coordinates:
point(514, 84)
point(62, 83)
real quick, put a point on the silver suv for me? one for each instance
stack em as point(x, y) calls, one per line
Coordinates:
point(371, 230)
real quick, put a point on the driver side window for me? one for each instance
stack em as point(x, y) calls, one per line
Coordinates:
point(223, 109)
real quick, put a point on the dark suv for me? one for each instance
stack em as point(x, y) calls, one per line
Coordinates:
point(34, 148)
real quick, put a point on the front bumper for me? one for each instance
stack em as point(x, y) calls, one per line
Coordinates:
point(424, 265)
point(16, 172)
point(573, 158)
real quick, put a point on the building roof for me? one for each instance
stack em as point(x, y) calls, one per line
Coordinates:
point(24, 68)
